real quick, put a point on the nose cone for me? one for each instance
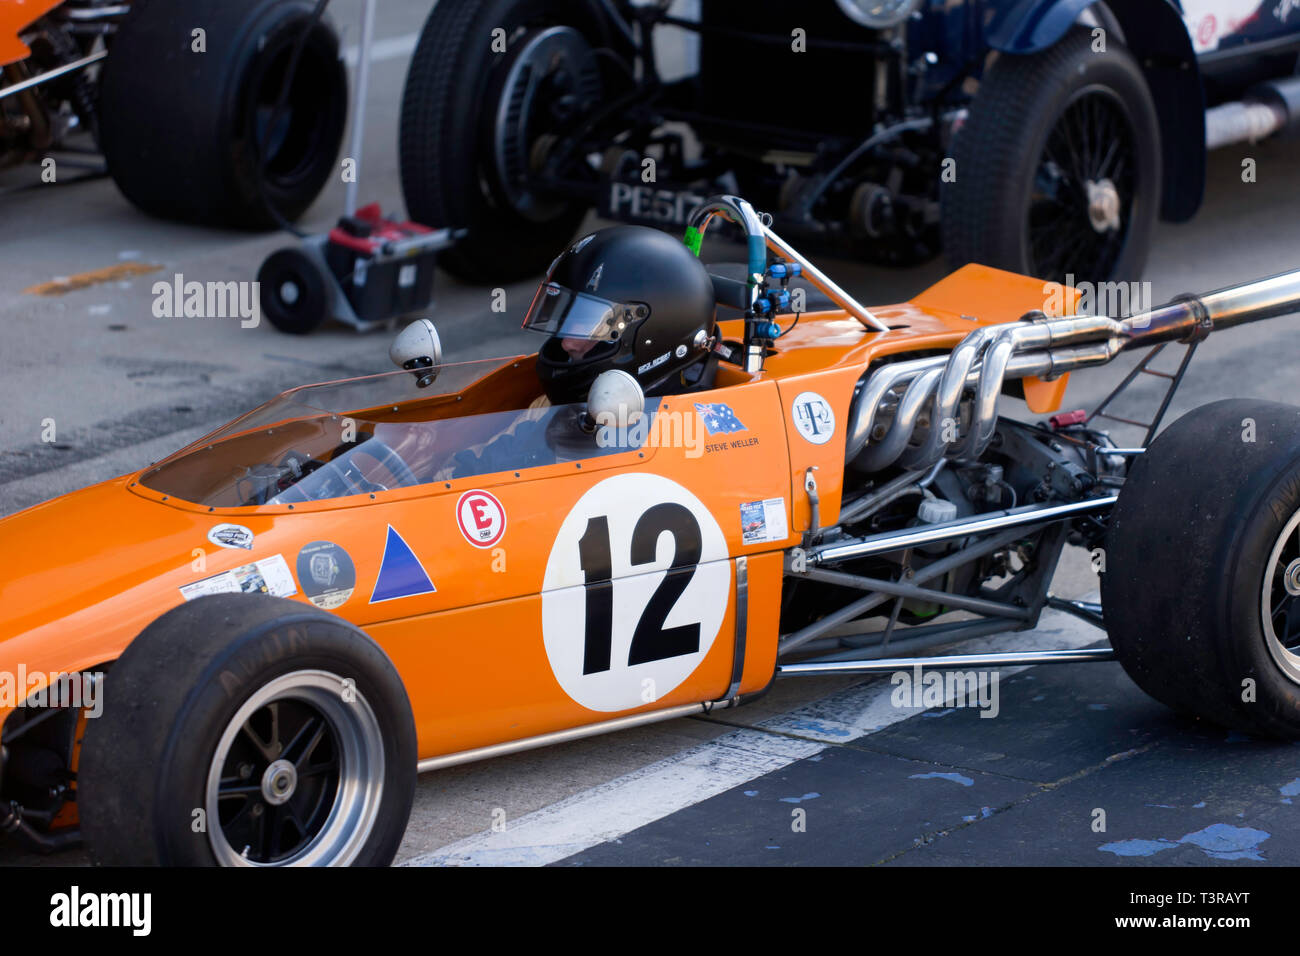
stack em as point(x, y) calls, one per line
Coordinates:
point(84, 573)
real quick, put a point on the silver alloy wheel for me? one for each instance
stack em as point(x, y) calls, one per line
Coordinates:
point(347, 799)
point(1280, 597)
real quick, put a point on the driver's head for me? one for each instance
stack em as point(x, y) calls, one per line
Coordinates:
point(626, 297)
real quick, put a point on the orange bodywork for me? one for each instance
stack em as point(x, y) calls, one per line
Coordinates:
point(16, 16)
point(88, 571)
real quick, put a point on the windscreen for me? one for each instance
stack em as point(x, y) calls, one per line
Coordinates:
point(373, 434)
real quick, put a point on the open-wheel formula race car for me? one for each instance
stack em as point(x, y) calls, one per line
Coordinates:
point(273, 630)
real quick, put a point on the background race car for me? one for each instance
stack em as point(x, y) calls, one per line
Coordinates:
point(1043, 137)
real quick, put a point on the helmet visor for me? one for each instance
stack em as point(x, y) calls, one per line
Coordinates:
point(576, 315)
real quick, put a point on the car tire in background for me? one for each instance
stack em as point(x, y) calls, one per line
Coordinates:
point(1201, 587)
point(183, 132)
point(476, 123)
point(247, 729)
point(1057, 168)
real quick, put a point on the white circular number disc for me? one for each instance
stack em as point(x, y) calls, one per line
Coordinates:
point(622, 500)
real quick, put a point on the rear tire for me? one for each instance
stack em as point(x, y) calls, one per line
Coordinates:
point(238, 711)
point(180, 129)
point(1204, 537)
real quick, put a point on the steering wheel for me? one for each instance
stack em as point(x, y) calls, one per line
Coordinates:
point(341, 477)
point(386, 456)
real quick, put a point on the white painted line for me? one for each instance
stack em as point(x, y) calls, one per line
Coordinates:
point(381, 50)
point(609, 811)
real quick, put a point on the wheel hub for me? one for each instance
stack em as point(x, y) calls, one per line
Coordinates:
point(279, 782)
point(1103, 205)
point(318, 798)
point(1291, 578)
point(549, 82)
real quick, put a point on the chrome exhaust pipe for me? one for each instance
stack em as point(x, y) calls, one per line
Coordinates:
point(983, 361)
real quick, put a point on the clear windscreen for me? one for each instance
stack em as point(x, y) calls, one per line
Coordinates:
point(373, 434)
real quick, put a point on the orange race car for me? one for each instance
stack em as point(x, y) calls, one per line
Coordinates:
point(245, 653)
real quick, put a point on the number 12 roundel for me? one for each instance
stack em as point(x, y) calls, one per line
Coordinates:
point(636, 589)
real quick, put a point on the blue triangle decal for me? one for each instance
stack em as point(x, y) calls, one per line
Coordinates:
point(400, 573)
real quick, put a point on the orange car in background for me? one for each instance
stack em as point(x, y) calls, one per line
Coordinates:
point(179, 98)
point(245, 653)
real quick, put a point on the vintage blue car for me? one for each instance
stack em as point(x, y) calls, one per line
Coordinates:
point(1040, 136)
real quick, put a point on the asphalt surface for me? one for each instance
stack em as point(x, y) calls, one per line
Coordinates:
point(936, 786)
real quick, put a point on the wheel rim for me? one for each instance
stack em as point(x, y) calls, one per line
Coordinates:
point(1081, 202)
point(290, 150)
point(551, 84)
point(297, 775)
point(1280, 600)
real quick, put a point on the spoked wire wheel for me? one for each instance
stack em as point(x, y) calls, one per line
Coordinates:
point(1080, 208)
point(297, 775)
point(1280, 600)
point(1057, 166)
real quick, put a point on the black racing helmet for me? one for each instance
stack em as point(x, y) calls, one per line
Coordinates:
point(627, 297)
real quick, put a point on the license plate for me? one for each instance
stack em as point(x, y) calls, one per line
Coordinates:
point(649, 205)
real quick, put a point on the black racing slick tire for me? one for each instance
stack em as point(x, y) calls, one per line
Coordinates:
point(243, 729)
point(452, 97)
point(1201, 587)
point(184, 131)
point(1058, 166)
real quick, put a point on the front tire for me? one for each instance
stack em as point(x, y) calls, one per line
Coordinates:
point(1057, 166)
point(242, 729)
point(1202, 578)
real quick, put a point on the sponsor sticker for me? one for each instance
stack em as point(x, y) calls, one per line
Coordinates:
point(763, 521)
point(719, 419)
point(813, 417)
point(400, 572)
point(482, 518)
point(267, 576)
point(231, 536)
point(327, 574)
point(654, 363)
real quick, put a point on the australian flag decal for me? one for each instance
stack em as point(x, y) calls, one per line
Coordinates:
point(719, 419)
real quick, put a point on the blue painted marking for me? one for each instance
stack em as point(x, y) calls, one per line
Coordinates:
point(817, 727)
point(806, 796)
point(1219, 840)
point(1137, 847)
point(954, 777)
point(400, 572)
point(1225, 842)
point(1198, 806)
point(1292, 789)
